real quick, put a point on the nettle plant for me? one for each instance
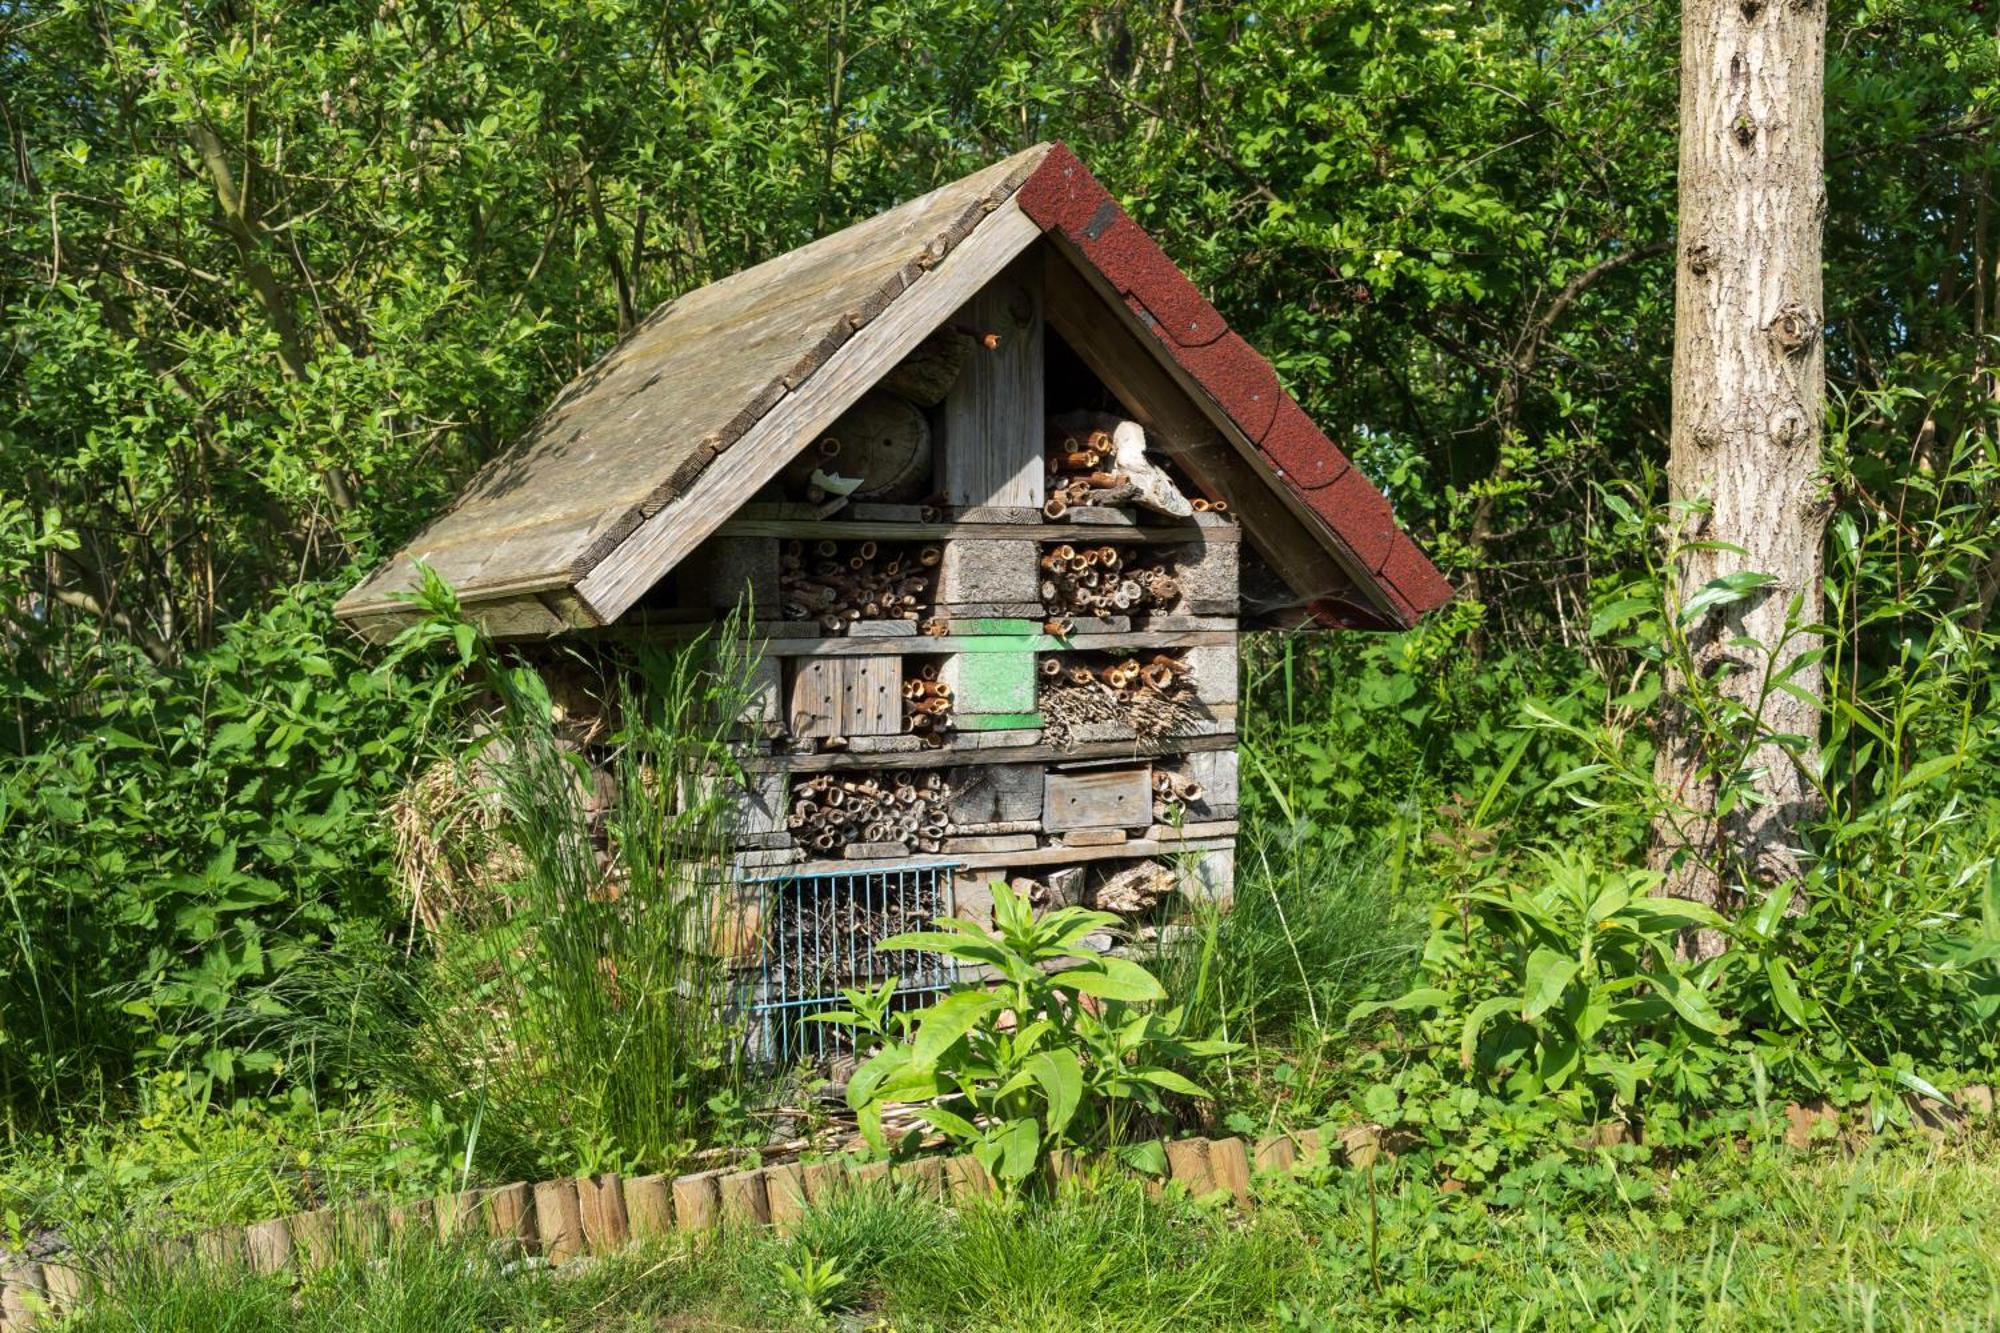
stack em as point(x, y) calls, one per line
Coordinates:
point(1064, 1048)
point(1568, 986)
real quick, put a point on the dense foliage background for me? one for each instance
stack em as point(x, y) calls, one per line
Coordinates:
point(276, 276)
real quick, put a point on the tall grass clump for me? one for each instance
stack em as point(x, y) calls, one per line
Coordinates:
point(590, 1026)
point(1315, 927)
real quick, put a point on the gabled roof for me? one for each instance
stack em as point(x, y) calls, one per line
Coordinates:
point(650, 449)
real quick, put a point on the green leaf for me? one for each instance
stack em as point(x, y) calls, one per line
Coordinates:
point(1785, 990)
point(1169, 1081)
point(940, 1026)
point(1423, 997)
point(1113, 979)
point(1549, 974)
point(1020, 1144)
point(1060, 1075)
point(1482, 1013)
point(1688, 1001)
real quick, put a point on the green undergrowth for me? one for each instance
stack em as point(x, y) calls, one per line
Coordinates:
point(1893, 1238)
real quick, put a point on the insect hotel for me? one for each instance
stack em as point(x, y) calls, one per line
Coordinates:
point(1001, 490)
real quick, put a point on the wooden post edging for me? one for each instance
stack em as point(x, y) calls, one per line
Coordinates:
point(574, 1216)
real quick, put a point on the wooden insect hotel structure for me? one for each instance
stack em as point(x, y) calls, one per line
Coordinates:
point(1002, 490)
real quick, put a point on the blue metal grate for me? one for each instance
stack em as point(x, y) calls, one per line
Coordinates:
point(817, 935)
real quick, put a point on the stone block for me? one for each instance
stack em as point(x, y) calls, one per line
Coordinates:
point(1215, 673)
point(724, 570)
point(977, 569)
point(1208, 574)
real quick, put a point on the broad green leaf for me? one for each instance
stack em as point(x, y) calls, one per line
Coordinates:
point(1169, 1081)
point(940, 1026)
point(1113, 979)
point(1482, 1013)
point(1548, 974)
point(1061, 1077)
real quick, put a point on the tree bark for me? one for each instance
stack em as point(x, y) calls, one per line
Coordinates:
point(1748, 387)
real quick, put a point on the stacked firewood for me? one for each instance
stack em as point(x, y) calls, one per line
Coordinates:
point(927, 705)
point(1154, 696)
point(1096, 581)
point(1080, 472)
point(838, 583)
point(1134, 890)
point(1172, 794)
point(832, 810)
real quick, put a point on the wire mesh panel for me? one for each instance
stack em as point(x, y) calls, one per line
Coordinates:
point(818, 935)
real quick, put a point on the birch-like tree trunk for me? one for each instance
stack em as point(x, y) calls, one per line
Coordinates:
point(1748, 384)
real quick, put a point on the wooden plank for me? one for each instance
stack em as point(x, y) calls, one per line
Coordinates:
point(1131, 848)
point(990, 436)
point(663, 539)
point(1103, 798)
point(1193, 431)
point(984, 643)
point(871, 696)
point(1036, 753)
point(839, 529)
point(812, 703)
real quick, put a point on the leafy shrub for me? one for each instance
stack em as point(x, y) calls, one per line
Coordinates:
point(1048, 1058)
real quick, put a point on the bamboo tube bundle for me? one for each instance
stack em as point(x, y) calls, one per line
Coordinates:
point(829, 811)
point(1078, 473)
point(1153, 696)
point(838, 583)
point(1172, 794)
point(926, 713)
point(1099, 581)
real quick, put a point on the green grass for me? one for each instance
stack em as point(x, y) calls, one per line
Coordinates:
point(1897, 1238)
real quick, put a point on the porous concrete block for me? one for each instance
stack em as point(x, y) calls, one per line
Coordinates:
point(762, 803)
point(979, 569)
point(1209, 577)
point(1214, 671)
point(725, 570)
point(763, 708)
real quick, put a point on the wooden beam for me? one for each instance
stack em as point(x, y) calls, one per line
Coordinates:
point(836, 529)
point(990, 424)
point(1195, 433)
point(1122, 751)
point(664, 539)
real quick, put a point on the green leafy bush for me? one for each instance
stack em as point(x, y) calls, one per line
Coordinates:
point(1064, 1050)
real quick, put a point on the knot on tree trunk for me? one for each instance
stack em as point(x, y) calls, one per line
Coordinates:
point(1794, 330)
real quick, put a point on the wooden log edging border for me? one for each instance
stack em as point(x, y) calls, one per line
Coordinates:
point(573, 1216)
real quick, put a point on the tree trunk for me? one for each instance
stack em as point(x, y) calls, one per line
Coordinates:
point(1748, 384)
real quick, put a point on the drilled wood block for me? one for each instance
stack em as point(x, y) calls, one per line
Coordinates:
point(649, 1206)
point(1106, 798)
point(996, 793)
point(1096, 837)
point(989, 440)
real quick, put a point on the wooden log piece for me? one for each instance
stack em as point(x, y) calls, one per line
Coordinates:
point(314, 1238)
point(510, 1217)
point(697, 1200)
point(600, 1203)
point(785, 1191)
point(558, 1220)
point(649, 1206)
point(1187, 1162)
point(1229, 1166)
point(745, 1201)
point(269, 1246)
